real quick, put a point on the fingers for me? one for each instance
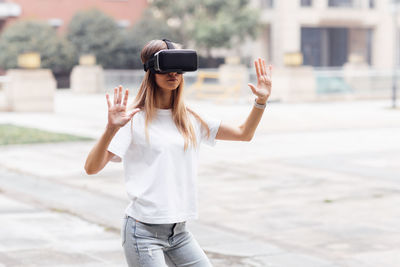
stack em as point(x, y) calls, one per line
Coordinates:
point(261, 63)
point(108, 101)
point(115, 95)
point(252, 87)
point(270, 71)
point(125, 97)
point(119, 94)
point(133, 112)
point(264, 66)
point(261, 69)
point(257, 69)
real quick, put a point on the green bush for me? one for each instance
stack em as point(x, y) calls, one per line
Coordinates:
point(146, 29)
point(34, 36)
point(126, 54)
point(210, 23)
point(203, 23)
point(96, 33)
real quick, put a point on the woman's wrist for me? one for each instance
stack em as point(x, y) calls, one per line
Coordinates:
point(112, 128)
point(259, 106)
point(261, 101)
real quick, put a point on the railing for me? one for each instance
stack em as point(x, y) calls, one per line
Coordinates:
point(351, 4)
point(360, 83)
point(328, 4)
point(367, 83)
point(3, 80)
point(208, 85)
point(340, 3)
point(356, 83)
point(132, 78)
point(267, 4)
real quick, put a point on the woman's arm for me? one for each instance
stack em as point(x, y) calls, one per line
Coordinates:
point(99, 156)
point(246, 131)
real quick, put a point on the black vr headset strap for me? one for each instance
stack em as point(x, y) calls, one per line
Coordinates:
point(149, 65)
point(169, 44)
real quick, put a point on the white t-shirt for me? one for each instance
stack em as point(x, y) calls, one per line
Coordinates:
point(160, 176)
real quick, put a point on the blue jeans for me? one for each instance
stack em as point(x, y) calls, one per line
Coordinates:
point(159, 245)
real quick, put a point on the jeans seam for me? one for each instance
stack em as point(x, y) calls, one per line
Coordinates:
point(124, 230)
point(136, 244)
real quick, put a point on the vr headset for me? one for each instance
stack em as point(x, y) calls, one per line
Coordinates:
point(172, 60)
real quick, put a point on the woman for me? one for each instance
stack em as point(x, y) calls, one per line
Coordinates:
point(158, 139)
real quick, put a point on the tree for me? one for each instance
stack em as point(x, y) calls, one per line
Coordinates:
point(94, 32)
point(209, 23)
point(146, 29)
point(33, 36)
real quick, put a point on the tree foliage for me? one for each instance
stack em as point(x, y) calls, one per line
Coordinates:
point(33, 36)
point(146, 29)
point(206, 24)
point(94, 32)
point(209, 23)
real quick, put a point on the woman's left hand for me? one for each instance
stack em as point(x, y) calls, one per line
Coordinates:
point(264, 82)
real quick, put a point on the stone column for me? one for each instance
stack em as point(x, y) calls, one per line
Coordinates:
point(234, 77)
point(294, 84)
point(383, 37)
point(87, 79)
point(285, 31)
point(30, 90)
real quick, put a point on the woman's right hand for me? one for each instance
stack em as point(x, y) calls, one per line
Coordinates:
point(117, 113)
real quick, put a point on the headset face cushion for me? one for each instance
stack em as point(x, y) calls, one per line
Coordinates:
point(175, 60)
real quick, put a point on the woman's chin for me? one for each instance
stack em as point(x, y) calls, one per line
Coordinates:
point(169, 88)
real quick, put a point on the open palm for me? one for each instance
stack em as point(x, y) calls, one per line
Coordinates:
point(117, 113)
point(264, 82)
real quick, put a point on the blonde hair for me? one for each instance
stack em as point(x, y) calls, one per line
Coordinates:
point(146, 99)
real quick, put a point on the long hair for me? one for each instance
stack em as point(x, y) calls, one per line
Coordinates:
point(146, 100)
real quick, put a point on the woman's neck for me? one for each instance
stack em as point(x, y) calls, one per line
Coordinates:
point(164, 99)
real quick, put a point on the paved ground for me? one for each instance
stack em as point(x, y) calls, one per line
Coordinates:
point(35, 236)
point(318, 186)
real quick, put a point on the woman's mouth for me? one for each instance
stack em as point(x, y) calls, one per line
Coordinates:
point(172, 80)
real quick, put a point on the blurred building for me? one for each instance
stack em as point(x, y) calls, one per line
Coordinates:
point(58, 13)
point(327, 33)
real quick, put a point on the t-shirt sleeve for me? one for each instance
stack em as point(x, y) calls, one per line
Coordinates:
point(120, 142)
point(213, 125)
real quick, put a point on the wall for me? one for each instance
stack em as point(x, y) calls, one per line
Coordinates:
point(125, 10)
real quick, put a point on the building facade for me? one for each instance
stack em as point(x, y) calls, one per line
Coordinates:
point(59, 13)
point(328, 33)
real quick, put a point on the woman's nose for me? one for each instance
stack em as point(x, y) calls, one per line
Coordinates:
point(172, 73)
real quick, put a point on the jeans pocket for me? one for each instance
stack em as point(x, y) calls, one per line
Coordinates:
point(145, 230)
point(123, 230)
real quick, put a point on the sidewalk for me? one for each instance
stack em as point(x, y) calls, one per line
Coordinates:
point(316, 187)
point(34, 236)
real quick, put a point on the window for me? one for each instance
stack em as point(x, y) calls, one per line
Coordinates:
point(340, 3)
point(324, 47)
point(311, 43)
point(55, 23)
point(369, 45)
point(123, 24)
point(306, 3)
point(267, 3)
point(371, 4)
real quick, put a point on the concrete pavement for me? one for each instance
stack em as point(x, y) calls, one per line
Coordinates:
point(318, 185)
point(36, 236)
